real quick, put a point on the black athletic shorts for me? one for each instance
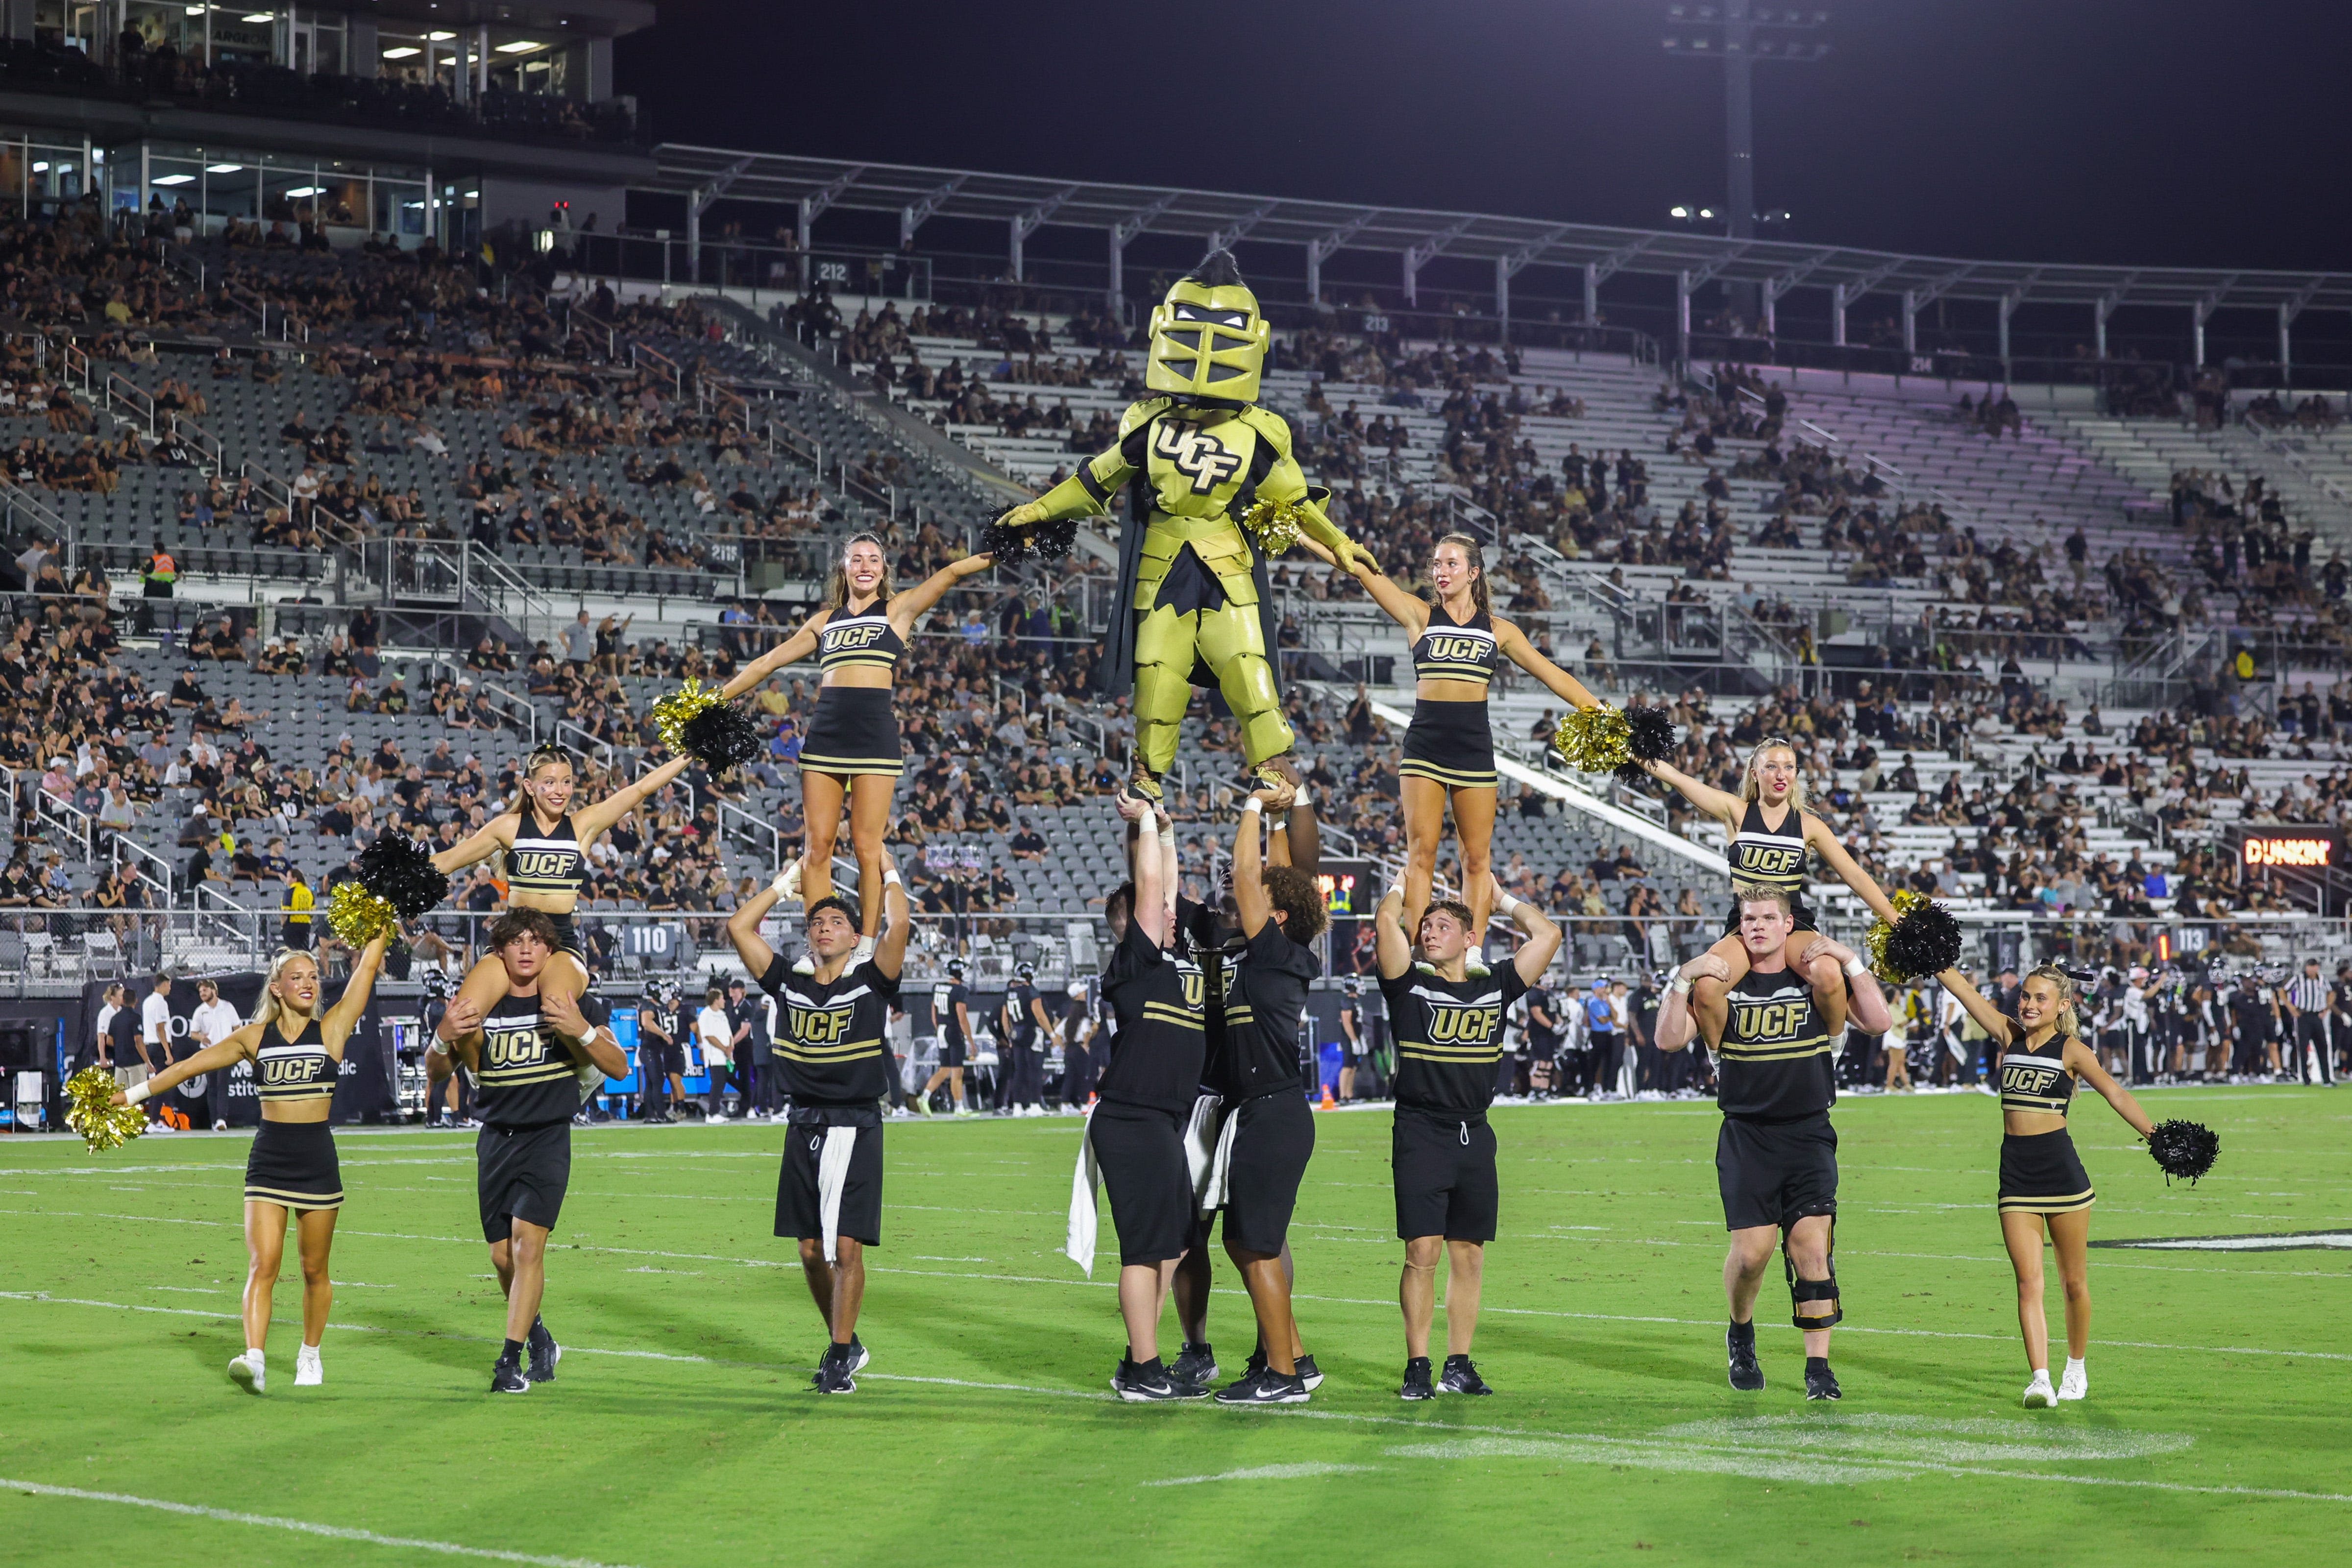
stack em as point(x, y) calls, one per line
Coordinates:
point(1141, 1154)
point(855, 730)
point(798, 1213)
point(1776, 1172)
point(660, 1058)
point(293, 1164)
point(567, 938)
point(1450, 743)
point(2040, 1174)
point(953, 1053)
point(522, 1175)
point(1444, 1167)
point(1271, 1148)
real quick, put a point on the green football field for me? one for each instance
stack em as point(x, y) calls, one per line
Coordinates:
point(681, 1431)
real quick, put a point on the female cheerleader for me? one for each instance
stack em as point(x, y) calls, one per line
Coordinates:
point(1766, 832)
point(2043, 1183)
point(297, 1052)
point(1449, 750)
point(852, 749)
point(546, 844)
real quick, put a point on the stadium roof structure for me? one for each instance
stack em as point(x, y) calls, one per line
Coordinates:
point(1418, 235)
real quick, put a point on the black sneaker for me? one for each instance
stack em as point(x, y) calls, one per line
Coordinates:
point(1820, 1382)
point(507, 1376)
point(836, 1373)
point(1416, 1379)
point(859, 1355)
point(1460, 1377)
point(1148, 1382)
point(1267, 1387)
point(1197, 1363)
point(1746, 1376)
point(1309, 1372)
point(544, 1353)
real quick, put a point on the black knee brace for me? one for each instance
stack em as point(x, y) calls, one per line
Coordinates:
point(1804, 1294)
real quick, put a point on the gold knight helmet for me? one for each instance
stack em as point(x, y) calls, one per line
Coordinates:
point(1208, 339)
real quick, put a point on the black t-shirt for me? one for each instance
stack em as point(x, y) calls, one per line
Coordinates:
point(1158, 1043)
point(829, 1037)
point(945, 1001)
point(1774, 1063)
point(1264, 995)
point(1540, 1037)
point(1021, 1004)
point(1449, 1035)
point(528, 1077)
point(2252, 1014)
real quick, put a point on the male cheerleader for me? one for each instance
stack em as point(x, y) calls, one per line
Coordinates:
point(1447, 1023)
point(835, 1065)
point(1776, 1156)
point(526, 1054)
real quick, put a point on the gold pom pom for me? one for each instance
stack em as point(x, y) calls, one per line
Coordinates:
point(357, 916)
point(1904, 900)
point(1595, 739)
point(670, 714)
point(1273, 525)
point(91, 1112)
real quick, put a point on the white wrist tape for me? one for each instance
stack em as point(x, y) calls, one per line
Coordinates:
point(1253, 805)
point(891, 877)
point(137, 1094)
point(1505, 904)
point(1856, 967)
point(1680, 986)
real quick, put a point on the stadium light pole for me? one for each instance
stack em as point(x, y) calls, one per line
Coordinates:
point(1743, 36)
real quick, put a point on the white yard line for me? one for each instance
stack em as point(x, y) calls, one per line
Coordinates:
point(299, 1526)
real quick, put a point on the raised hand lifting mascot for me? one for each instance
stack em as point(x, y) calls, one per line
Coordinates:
point(1220, 494)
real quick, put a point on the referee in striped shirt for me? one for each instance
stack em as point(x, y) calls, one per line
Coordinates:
point(2310, 1000)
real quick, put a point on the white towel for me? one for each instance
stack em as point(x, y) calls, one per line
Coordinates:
point(1078, 1244)
point(832, 1175)
point(1201, 1141)
point(1211, 1188)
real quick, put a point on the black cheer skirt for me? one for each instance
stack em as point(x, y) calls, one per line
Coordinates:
point(2040, 1174)
point(293, 1164)
point(855, 731)
point(1450, 743)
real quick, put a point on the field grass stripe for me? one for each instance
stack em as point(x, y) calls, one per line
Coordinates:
point(1489, 1309)
point(300, 1526)
point(1858, 1467)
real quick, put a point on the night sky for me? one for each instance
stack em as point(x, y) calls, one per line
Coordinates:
point(2156, 131)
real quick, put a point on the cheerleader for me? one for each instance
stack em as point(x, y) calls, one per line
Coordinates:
point(1767, 835)
point(297, 1052)
point(1458, 644)
point(2043, 1186)
point(546, 846)
point(852, 752)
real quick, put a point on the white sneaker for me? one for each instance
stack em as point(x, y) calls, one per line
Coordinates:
point(247, 1373)
point(864, 952)
point(2075, 1383)
point(220, 1126)
point(161, 1126)
point(2038, 1393)
point(307, 1371)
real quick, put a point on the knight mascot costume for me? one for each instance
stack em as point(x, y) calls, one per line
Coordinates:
point(1218, 494)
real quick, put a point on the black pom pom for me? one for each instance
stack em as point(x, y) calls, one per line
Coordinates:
point(1650, 733)
point(399, 870)
point(722, 737)
point(1217, 271)
point(2184, 1149)
point(1045, 541)
point(1925, 941)
point(1631, 773)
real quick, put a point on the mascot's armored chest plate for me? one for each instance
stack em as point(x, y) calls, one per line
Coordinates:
point(1197, 469)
